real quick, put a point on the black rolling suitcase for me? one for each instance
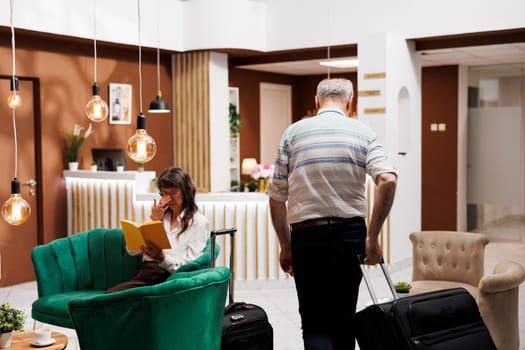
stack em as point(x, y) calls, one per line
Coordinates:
point(245, 326)
point(441, 320)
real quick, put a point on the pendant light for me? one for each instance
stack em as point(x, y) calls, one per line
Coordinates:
point(14, 100)
point(96, 108)
point(15, 210)
point(158, 105)
point(141, 147)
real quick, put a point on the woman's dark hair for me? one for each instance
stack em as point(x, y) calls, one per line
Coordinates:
point(178, 178)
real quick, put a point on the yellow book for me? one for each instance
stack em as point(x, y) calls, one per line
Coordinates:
point(136, 235)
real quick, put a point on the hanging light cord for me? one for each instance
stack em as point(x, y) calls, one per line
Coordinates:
point(158, 69)
point(94, 43)
point(140, 61)
point(14, 90)
point(328, 58)
point(158, 49)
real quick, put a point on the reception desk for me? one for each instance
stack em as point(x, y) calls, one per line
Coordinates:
point(101, 199)
point(256, 246)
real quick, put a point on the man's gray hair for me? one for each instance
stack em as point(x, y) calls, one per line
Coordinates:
point(335, 88)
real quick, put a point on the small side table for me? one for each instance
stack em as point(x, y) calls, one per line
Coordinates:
point(22, 340)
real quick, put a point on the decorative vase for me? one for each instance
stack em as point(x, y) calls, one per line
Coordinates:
point(73, 166)
point(263, 183)
point(120, 168)
point(5, 340)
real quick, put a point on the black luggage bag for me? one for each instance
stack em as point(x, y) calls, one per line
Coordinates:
point(245, 326)
point(441, 320)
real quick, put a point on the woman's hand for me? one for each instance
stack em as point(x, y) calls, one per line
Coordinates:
point(159, 209)
point(153, 251)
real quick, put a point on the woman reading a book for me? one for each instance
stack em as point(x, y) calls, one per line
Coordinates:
point(186, 227)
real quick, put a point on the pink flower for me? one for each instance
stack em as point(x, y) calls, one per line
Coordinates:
point(262, 171)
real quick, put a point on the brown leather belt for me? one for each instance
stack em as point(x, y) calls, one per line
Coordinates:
point(323, 221)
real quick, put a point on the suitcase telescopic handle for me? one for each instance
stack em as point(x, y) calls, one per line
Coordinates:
point(368, 282)
point(221, 232)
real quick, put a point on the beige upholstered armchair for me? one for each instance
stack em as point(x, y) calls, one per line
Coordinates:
point(498, 299)
point(449, 259)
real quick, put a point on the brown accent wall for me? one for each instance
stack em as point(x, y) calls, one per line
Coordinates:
point(303, 93)
point(439, 89)
point(63, 69)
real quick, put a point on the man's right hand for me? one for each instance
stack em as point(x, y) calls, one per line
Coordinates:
point(374, 253)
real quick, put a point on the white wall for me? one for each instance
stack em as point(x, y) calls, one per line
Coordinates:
point(318, 23)
point(264, 25)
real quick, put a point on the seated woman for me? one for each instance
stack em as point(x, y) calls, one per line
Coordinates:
point(187, 228)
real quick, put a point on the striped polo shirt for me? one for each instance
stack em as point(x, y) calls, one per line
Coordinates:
point(322, 165)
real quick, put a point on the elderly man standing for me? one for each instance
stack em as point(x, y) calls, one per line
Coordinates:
point(321, 172)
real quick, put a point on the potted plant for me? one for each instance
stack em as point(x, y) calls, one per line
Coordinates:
point(74, 141)
point(252, 186)
point(93, 166)
point(235, 121)
point(154, 185)
point(402, 287)
point(120, 167)
point(11, 319)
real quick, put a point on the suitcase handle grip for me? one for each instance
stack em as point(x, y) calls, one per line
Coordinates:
point(361, 259)
point(223, 231)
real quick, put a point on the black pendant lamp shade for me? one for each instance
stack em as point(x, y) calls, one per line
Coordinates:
point(158, 105)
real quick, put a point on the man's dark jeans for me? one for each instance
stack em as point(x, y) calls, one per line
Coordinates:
point(327, 277)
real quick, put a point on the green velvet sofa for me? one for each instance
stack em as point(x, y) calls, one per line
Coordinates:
point(84, 265)
point(183, 313)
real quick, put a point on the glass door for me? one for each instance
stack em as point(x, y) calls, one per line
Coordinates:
point(495, 166)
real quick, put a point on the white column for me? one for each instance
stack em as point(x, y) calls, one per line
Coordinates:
point(389, 81)
point(219, 123)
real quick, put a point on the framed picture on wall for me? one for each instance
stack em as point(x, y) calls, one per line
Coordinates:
point(120, 103)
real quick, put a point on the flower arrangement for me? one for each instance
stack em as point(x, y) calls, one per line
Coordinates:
point(262, 171)
point(11, 319)
point(75, 140)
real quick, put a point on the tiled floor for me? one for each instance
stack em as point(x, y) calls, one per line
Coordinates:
point(279, 299)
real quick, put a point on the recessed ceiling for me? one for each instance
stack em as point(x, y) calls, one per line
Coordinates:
point(468, 56)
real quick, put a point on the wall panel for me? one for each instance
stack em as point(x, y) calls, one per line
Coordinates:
point(192, 115)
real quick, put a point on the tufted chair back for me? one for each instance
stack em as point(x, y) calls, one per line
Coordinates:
point(91, 260)
point(448, 256)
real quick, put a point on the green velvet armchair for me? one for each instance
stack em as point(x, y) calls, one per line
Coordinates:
point(183, 313)
point(84, 265)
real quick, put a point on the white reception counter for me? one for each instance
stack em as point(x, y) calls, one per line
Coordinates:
point(101, 199)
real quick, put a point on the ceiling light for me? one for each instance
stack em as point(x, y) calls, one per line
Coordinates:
point(14, 100)
point(158, 105)
point(141, 147)
point(350, 63)
point(15, 210)
point(96, 109)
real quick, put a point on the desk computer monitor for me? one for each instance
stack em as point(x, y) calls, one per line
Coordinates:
point(108, 158)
